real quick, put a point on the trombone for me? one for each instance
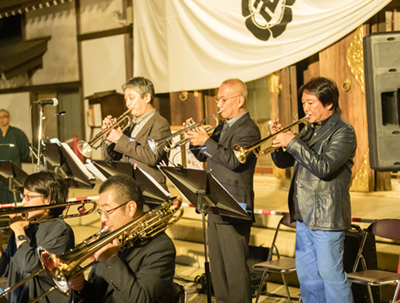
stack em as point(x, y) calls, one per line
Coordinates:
point(67, 265)
point(168, 143)
point(81, 210)
point(85, 148)
point(242, 152)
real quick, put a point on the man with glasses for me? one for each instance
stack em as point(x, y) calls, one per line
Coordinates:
point(141, 273)
point(14, 146)
point(132, 145)
point(228, 238)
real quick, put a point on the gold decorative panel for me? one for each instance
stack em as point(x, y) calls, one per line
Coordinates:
point(355, 58)
point(361, 181)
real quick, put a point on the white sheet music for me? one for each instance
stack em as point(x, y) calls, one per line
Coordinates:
point(155, 182)
point(77, 161)
point(94, 170)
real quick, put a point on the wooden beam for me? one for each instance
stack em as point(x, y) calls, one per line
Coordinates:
point(45, 87)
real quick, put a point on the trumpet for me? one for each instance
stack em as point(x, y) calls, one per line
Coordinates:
point(123, 121)
point(242, 152)
point(81, 210)
point(168, 143)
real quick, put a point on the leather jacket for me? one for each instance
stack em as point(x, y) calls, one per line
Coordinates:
point(321, 175)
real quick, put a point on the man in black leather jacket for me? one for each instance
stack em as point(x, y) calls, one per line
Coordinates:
point(319, 198)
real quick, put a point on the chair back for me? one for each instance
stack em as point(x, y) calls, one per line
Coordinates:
point(285, 220)
point(182, 293)
point(386, 228)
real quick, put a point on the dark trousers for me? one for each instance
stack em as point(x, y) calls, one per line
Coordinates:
point(229, 251)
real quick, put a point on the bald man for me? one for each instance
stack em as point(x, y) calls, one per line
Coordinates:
point(14, 146)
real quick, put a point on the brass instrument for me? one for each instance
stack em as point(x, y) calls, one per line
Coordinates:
point(242, 152)
point(85, 148)
point(169, 144)
point(63, 267)
point(81, 211)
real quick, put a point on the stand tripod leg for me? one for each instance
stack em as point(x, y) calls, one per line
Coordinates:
point(206, 264)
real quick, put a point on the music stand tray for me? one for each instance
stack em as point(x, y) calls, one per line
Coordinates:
point(12, 176)
point(151, 190)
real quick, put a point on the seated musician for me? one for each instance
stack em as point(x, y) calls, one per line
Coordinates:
point(141, 273)
point(20, 258)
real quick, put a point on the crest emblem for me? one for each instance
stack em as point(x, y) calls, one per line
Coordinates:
point(266, 18)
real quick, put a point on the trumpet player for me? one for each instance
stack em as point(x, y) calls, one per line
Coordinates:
point(141, 273)
point(228, 237)
point(319, 198)
point(20, 258)
point(132, 144)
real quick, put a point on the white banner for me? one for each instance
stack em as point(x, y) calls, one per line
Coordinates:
point(196, 44)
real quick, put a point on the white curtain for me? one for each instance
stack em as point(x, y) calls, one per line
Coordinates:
point(196, 44)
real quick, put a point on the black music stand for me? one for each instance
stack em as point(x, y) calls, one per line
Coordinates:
point(12, 176)
point(151, 190)
point(62, 162)
point(208, 196)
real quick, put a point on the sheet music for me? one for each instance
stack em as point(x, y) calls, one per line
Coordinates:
point(77, 161)
point(93, 169)
point(166, 193)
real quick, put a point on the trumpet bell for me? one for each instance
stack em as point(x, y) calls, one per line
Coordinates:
point(240, 153)
point(84, 148)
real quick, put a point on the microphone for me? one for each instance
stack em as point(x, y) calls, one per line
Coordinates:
point(53, 102)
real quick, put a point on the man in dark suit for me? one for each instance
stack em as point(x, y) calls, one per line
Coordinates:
point(141, 273)
point(132, 144)
point(229, 237)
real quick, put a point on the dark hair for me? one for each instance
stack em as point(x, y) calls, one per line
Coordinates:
point(124, 188)
point(140, 85)
point(50, 185)
point(325, 90)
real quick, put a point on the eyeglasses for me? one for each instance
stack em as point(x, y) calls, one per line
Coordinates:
point(223, 100)
point(28, 197)
point(106, 213)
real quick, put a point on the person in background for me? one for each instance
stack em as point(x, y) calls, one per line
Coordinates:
point(14, 146)
point(20, 259)
point(319, 198)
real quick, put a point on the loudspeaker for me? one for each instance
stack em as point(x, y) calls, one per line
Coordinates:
point(382, 89)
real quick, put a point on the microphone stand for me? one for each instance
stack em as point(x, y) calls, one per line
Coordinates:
point(39, 137)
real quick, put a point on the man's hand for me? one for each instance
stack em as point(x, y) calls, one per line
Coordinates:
point(198, 138)
point(107, 251)
point(282, 140)
point(18, 224)
point(77, 283)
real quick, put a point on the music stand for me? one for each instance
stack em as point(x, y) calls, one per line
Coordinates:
point(12, 176)
point(151, 190)
point(62, 162)
point(208, 196)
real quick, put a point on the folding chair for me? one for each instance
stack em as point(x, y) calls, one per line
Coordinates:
point(280, 265)
point(182, 296)
point(385, 228)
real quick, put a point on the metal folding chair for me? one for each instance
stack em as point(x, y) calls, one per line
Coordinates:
point(385, 228)
point(280, 265)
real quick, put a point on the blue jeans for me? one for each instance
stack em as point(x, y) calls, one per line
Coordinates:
point(319, 265)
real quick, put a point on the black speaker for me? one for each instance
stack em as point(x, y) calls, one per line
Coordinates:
point(382, 89)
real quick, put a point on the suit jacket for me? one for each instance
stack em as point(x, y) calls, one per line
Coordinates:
point(56, 237)
point(322, 174)
point(142, 273)
point(237, 178)
point(138, 150)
